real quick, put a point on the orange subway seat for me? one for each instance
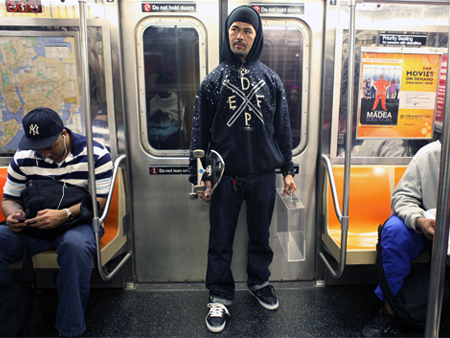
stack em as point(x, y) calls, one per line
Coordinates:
point(370, 196)
point(371, 189)
point(111, 223)
point(399, 171)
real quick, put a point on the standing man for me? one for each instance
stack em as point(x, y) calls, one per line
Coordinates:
point(380, 86)
point(241, 112)
point(49, 151)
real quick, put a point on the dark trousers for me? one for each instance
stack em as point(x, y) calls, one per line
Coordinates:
point(259, 193)
point(75, 249)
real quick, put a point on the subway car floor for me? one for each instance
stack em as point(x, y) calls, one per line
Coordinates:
point(179, 310)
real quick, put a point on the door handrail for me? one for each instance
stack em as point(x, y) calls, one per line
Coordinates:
point(90, 150)
point(337, 207)
point(344, 219)
point(111, 190)
point(104, 275)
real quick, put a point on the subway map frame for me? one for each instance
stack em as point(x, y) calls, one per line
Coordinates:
point(38, 69)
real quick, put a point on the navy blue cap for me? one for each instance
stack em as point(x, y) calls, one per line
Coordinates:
point(42, 127)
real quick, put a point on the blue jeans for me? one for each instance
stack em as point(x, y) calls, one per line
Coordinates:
point(401, 245)
point(75, 249)
point(259, 193)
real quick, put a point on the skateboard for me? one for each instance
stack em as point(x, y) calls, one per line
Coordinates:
point(213, 172)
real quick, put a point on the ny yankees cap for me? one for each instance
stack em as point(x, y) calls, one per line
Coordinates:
point(42, 127)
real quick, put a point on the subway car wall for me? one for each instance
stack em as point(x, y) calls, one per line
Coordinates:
point(140, 59)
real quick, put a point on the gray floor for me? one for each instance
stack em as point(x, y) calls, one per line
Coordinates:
point(180, 310)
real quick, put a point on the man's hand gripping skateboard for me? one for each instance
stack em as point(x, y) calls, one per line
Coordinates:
point(207, 178)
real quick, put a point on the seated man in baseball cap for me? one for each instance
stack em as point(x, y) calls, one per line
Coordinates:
point(51, 152)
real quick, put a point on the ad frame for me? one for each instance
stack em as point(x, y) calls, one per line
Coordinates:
point(390, 129)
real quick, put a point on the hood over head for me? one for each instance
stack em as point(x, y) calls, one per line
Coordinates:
point(249, 15)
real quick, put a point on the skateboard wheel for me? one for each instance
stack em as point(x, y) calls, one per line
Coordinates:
point(193, 196)
point(199, 153)
point(199, 188)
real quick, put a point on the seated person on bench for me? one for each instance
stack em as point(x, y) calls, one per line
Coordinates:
point(407, 232)
point(49, 151)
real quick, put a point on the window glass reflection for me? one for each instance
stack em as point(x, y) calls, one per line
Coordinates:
point(171, 56)
point(283, 52)
point(97, 87)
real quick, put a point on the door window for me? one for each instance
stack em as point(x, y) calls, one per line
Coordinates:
point(170, 77)
point(286, 52)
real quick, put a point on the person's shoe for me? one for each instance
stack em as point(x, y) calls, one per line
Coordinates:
point(383, 324)
point(266, 297)
point(217, 317)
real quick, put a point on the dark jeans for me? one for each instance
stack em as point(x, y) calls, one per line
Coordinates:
point(75, 249)
point(259, 193)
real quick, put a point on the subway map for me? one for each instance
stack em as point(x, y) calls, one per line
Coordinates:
point(37, 71)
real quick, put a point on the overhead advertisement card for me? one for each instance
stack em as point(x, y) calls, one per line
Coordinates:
point(397, 96)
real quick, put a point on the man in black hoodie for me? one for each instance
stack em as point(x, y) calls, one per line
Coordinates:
point(241, 112)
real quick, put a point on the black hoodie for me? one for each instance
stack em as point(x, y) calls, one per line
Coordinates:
point(241, 112)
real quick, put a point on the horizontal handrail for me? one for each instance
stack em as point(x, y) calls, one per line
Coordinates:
point(104, 275)
point(344, 224)
point(111, 191)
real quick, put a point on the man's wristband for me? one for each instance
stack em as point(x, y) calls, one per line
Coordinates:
point(289, 172)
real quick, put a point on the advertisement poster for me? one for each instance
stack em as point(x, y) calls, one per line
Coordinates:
point(398, 93)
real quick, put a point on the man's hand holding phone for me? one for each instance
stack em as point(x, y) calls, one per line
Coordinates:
point(16, 221)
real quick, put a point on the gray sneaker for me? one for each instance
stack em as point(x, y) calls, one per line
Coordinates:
point(217, 317)
point(266, 297)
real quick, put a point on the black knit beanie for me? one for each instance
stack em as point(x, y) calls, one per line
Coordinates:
point(244, 14)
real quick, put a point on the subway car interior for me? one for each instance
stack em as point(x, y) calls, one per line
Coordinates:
point(107, 66)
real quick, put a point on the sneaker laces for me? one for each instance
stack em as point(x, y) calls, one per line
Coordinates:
point(267, 291)
point(217, 309)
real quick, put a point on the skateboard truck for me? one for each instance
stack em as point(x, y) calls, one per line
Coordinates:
point(213, 172)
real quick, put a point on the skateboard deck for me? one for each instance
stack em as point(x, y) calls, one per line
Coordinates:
point(213, 172)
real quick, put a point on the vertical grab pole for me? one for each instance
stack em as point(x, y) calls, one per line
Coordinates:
point(349, 128)
point(89, 139)
point(438, 261)
point(90, 151)
point(348, 150)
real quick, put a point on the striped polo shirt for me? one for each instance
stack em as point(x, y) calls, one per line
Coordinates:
point(29, 165)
